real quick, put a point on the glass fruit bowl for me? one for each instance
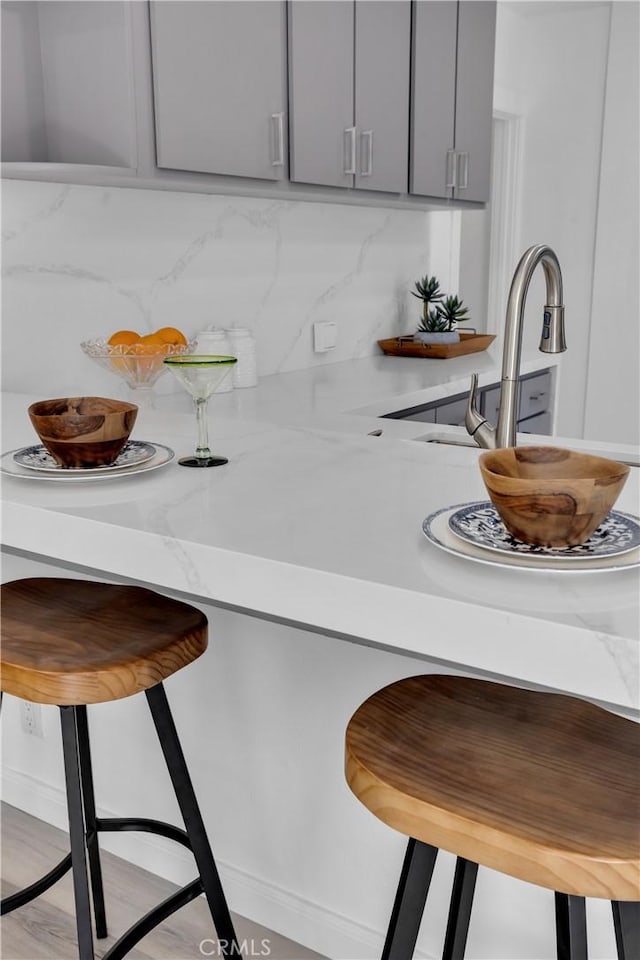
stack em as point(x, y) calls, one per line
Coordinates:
point(138, 364)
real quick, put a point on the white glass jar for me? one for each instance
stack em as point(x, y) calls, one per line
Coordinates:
point(243, 346)
point(217, 343)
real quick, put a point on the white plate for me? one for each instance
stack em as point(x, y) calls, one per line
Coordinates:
point(480, 524)
point(10, 468)
point(436, 529)
point(39, 458)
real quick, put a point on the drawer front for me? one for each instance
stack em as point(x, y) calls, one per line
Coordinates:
point(452, 413)
point(491, 404)
point(539, 424)
point(535, 396)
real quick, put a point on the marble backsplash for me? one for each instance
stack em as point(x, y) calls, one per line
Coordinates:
point(80, 262)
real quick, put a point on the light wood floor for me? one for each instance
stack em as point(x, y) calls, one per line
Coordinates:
point(45, 928)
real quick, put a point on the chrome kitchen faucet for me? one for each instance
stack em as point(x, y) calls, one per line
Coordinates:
point(552, 341)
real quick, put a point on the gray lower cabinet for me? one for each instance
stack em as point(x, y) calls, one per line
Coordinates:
point(220, 86)
point(534, 408)
point(534, 398)
point(452, 98)
point(349, 66)
point(540, 424)
point(452, 412)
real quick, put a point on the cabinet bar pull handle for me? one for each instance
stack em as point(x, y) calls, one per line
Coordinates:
point(368, 136)
point(350, 168)
point(462, 163)
point(277, 120)
point(450, 174)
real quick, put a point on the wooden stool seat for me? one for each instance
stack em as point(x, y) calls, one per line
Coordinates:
point(78, 642)
point(539, 786)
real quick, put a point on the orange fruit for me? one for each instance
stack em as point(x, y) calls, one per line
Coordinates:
point(172, 335)
point(152, 340)
point(149, 352)
point(123, 337)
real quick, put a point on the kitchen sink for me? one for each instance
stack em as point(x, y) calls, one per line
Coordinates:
point(464, 440)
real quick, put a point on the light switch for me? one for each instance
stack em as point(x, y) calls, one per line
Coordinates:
point(325, 335)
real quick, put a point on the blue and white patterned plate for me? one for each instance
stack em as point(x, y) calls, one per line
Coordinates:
point(438, 532)
point(8, 467)
point(480, 525)
point(37, 458)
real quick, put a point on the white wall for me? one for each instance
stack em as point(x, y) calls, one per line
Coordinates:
point(550, 71)
point(81, 262)
point(613, 394)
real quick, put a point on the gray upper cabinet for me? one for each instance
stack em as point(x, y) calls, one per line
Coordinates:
point(433, 97)
point(349, 68)
point(382, 75)
point(451, 98)
point(67, 84)
point(474, 99)
point(376, 100)
point(220, 87)
point(323, 135)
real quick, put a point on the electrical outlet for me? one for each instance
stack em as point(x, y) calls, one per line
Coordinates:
point(325, 335)
point(32, 718)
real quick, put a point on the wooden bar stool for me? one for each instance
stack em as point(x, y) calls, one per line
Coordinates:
point(539, 786)
point(73, 643)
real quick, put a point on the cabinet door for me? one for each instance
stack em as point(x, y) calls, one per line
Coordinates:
point(491, 403)
point(220, 86)
point(474, 99)
point(535, 395)
point(452, 412)
point(433, 93)
point(323, 136)
point(540, 424)
point(382, 64)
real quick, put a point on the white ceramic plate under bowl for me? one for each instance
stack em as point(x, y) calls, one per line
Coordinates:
point(437, 531)
point(162, 456)
point(38, 458)
point(480, 524)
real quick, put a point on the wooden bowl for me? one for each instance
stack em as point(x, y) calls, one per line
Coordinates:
point(83, 431)
point(549, 496)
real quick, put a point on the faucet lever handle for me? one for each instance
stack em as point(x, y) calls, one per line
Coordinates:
point(477, 425)
point(473, 417)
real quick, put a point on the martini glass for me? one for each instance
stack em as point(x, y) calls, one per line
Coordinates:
point(200, 375)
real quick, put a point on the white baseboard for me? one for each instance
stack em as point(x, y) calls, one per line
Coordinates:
point(308, 923)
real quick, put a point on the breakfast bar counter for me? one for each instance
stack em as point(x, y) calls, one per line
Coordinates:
point(322, 530)
point(307, 554)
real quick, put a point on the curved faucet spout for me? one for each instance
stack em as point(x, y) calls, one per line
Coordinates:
point(552, 341)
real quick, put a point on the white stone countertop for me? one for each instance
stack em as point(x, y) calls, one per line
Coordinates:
point(315, 523)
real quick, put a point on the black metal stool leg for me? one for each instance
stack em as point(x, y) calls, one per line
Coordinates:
point(192, 817)
point(77, 832)
point(571, 927)
point(626, 922)
point(464, 884)
point(411, 897)
point(88, 798)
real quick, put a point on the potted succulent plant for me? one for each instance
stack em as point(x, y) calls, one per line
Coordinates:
point(440, 314)
point(428, 290)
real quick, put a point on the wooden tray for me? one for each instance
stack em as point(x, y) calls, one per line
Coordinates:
point(406, 346)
